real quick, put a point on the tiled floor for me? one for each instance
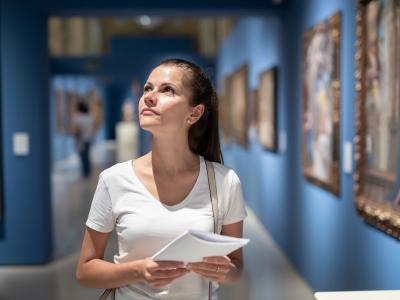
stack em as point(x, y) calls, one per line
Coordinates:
point(267, 275)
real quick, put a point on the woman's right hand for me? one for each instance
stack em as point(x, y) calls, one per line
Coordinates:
point(160, 273)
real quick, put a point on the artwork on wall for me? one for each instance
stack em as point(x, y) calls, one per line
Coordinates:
point(72, 99)
point(238, 94)
point(377, 140)
point(321, 98)
point(60, 111)
point(254, 108)
point(224, 109)
point(267, 109)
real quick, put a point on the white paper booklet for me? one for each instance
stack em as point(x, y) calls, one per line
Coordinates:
point(193, 245)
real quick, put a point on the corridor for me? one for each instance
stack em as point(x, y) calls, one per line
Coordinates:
point(301, 98)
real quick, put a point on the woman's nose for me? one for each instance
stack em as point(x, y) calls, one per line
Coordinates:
point(150, 99)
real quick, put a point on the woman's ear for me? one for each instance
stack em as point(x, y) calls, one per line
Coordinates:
point(197, 112)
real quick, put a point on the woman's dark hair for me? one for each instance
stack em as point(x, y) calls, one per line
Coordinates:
point(204, 134)
point(82, 106)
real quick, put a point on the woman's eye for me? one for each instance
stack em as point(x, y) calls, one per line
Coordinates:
point(169, 89)
point(147, 88)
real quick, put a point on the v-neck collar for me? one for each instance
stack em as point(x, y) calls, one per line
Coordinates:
point(180, 203)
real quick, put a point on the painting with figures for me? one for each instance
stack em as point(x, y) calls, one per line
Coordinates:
point(321, 98)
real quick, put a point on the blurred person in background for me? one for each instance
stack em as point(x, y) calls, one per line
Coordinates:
point(83, 129)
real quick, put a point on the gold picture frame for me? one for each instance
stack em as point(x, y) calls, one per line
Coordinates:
point(377, 138)
point(321, 104)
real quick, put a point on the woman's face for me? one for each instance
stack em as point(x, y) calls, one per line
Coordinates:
point(168, 98)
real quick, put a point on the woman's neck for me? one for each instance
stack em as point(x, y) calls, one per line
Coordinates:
point(172, 156)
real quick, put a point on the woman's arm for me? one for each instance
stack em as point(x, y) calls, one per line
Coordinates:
point(223, 269)
point(235, 230)
point(94, 271)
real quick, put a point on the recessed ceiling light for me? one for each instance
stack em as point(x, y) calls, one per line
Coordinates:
point(145, 20)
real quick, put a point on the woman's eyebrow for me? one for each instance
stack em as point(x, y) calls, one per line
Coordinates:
point(169, 83)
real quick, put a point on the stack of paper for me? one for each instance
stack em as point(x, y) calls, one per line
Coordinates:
point(193, 245)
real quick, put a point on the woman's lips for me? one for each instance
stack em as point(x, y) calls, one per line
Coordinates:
point(148, 112)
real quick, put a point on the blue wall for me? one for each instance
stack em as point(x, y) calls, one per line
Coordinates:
point(24, 74)
point(258, 43)
point(322, 235)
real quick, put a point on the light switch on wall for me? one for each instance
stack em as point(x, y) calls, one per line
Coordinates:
point(348, 158)
point(282, 141)
point(21, 144)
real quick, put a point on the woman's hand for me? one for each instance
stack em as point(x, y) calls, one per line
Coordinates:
point(161, 273)
point(214, 268)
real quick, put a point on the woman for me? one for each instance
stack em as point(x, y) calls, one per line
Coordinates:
point(151, 200)
point(84, 131)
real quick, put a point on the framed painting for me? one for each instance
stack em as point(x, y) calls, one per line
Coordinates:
point(72, 99)
point(60, 110)
point(321, 99)
point(254, 108)
point(267, 111)
point(377, 139)
point(238, 97)
point(224, 109)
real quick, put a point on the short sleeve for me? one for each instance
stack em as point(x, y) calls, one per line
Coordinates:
point(100, 215)
point(236, 210)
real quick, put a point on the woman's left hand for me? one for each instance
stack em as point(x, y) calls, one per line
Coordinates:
point(214, 268)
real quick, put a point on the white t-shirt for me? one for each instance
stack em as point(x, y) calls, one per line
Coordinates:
point(85, 124)
point(144, 225)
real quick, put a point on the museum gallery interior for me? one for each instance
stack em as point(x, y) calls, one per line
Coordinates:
point(309, 118)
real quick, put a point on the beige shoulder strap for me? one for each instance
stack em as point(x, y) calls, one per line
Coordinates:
point(214, 203)
point(213, 193)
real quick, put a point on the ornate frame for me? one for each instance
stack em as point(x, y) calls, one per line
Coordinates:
point(383, 215)
point(333, 26)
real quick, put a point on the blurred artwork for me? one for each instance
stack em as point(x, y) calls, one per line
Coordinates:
point(239, 106)
point(254, 108)
point(60, 111)
point(378, 114)
point(224, 109)
point(72, 100)
point(96, 106)
point(267, 114)
point(321, 98)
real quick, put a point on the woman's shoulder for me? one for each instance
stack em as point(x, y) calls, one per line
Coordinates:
point(115, 170)
point(224, 173)
point(121, 169)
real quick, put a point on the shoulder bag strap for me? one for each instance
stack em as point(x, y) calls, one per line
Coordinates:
point(213, 193)
point(214, 203)
point(107, 293)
